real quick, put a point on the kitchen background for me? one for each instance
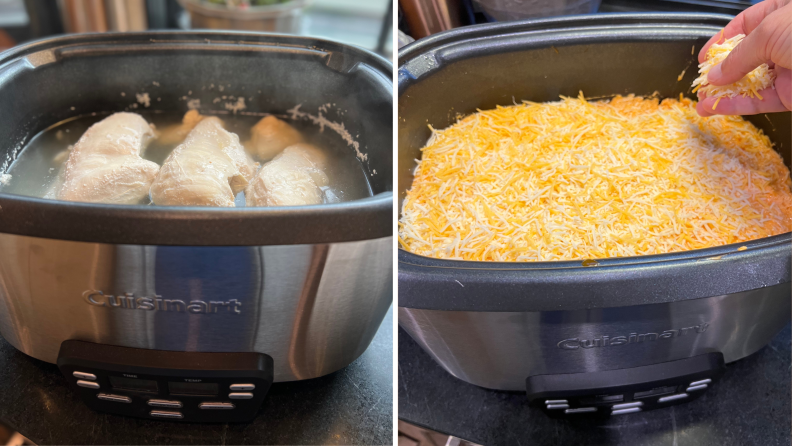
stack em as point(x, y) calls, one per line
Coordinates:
point(367, 24)
point(420, 18)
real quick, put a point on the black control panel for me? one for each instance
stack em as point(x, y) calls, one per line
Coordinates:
point(624, 391)
point(167, 385)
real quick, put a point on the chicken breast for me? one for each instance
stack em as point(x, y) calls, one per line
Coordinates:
point(295, 177)
point(175, 134)
point(270, 136)
point(105, 165)
point(208, 169)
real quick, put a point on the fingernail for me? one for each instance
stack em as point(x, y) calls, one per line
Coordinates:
point(715, 74)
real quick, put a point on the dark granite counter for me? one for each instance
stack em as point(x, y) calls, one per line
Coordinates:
point(351, 406)
point(750, 405)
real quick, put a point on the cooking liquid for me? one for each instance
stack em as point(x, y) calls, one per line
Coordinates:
point(39, 163)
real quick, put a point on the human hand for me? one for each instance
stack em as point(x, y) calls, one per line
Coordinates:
point(768, 39)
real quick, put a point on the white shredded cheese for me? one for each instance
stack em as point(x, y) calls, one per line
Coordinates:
point(757, 80)
point(575, 180)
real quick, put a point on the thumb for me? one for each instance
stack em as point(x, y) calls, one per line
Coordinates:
point(746, 56)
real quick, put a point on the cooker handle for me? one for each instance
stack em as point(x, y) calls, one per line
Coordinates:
point(622, 391)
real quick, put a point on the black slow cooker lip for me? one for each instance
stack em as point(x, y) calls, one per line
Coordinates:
point(452, 285)
point(447, 285)
point(362, 219)
point(196, 36)
point(460, 34)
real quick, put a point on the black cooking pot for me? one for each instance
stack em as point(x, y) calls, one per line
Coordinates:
point(50, 80)
point(480, 67)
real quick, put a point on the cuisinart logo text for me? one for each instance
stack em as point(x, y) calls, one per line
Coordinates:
point(632, 338)
point(157, 303)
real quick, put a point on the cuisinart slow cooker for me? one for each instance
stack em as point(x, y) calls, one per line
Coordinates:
point(191, 313)
point(609, 337)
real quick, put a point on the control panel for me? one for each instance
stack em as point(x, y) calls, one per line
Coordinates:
point(167, 385)
point(625, 391)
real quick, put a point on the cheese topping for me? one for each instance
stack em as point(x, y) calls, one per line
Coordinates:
point(574, 180)
point(750, 85)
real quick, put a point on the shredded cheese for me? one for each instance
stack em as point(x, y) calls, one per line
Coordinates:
point(760, 78)
point(575, 180)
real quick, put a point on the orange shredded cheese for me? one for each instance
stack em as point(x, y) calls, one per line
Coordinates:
point(760, 78)
point(574, 180)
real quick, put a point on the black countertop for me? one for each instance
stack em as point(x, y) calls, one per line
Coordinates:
point(750, 405)
point(351, 406)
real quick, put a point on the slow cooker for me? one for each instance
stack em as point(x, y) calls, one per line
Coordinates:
point(190, 313)
point(610, 337)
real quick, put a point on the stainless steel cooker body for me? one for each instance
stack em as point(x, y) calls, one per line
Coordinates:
point(497, 324)
point(306, 285)
point(498, 350)
point(313, 308)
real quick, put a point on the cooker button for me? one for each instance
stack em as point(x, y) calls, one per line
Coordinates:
point(240, 395)
point(694, 388)
point(657, 391)
point(166, 414)
point(698, 383)
point(114, 398)
point(609, 398)
point(624, 411)
point(627, 405)
point(558, 406)
point(678, 396)
point(88, 376)
point(238, 387)
point(556, 401)
point(216, 406)
point(165, 403)
point(88, 384)
point(581, 410)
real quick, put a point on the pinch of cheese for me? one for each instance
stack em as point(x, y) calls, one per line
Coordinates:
point(757, 80)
